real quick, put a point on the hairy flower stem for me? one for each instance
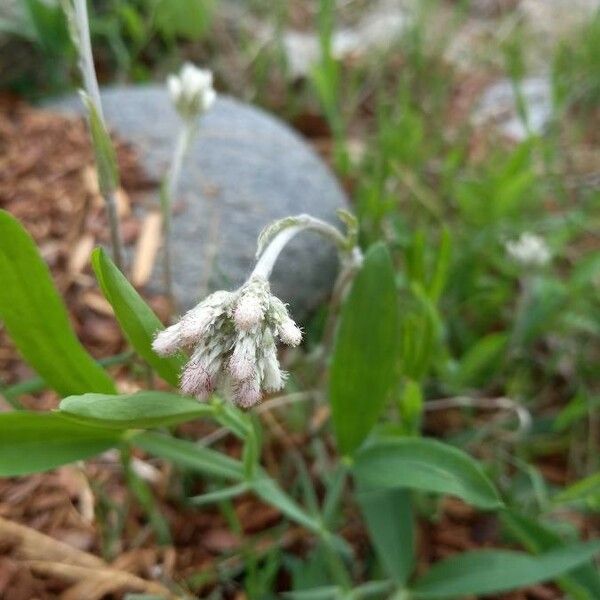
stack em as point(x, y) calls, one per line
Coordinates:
point(170, 187)
point(267, 259)
point(110, 200)
point(77, 15)
point(86, 58)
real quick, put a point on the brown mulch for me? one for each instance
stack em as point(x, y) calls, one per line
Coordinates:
point(47, 182)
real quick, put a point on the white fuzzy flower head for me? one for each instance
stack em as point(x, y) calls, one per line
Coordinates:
point(191, 91)
point(529, 250)
point(233, 336)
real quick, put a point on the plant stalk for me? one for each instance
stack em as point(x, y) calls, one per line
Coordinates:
point(170, 187)
point(77, 15)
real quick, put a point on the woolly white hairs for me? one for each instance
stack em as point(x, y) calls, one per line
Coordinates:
point(529, 249)
point(233, 335)
point(191, 91)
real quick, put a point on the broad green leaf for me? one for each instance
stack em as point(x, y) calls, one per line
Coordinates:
point(36, 319)
point(586, 488)
point(427, 465)
point(32, 441)
point(481, 360)
point(189, 455)
point(582, 583)
point(494, 571)
point(136, 318)
point(389, 518)
point(363, 369)
point(135, 411)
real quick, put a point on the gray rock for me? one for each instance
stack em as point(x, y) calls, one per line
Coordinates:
point(245, 169)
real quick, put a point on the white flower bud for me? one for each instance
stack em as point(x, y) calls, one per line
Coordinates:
point(168, 341)
point(196, 380)
point(247, 393)
point(273, 378)
point(289, 333)
point(529, 250)
point(242, 364)
point(248, 312)
point(191, 91)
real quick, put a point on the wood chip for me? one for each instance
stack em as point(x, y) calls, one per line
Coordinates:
point(146, 249)
point(94, 300)
point(80, 254)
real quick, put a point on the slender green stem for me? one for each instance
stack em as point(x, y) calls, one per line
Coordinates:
point(142, 492)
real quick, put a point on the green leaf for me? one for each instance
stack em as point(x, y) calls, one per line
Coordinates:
point(363, 370)
point(104, 151)
point(481, 361)
point(388, 514)
point(494, 571)
point(268, 489)
point(410, 406)
point(330, 592)
point(442, 267)
point(32, 441)
point(586, 488)
point(582, 583)
point(136, 318)
point(220, 495)
point(427, 465)
point(183, 18)
point(189, 455)
point(36, 319)
point(135, 411)
point(48, 24)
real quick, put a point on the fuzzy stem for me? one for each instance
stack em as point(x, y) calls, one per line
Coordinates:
point(115, 229)
point(83, 42)
point(86, 59)
point(170, 190)
point(266, 262)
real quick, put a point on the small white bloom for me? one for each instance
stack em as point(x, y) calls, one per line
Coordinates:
point(248, 312)
point(233, 335)
point(289, 333)
point(272, 375)
point(191, 91)
point(242, 363)
point(247, 393)
point(529, 250)
point(167, 342)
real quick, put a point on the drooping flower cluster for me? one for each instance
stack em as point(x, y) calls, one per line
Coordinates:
point(233, 338)
point(529, 250)
point(191, 91)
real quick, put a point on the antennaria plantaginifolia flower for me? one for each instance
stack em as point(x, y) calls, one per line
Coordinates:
point(233, 334)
